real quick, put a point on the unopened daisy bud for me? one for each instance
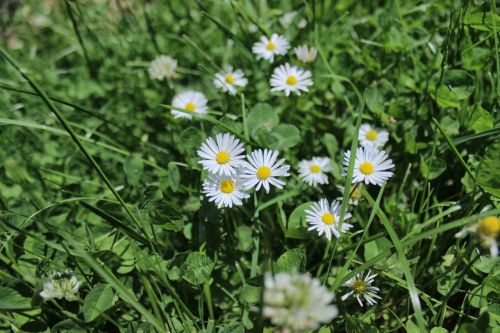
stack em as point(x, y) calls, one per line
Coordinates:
point(362, 288)
point(372, 137)
point(229, 80)
point(268, 48)
point(355, 193)
point(192, 101)
point(306, 54)
point(324, 218)
point(289, 78)
point(313, 171)
point(61, 285)
point(296, 302)
point(163, 67)
point(371, 166)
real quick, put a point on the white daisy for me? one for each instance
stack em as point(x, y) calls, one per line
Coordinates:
point(193, 101)
point(372, 137)
point(362, 288)
point(313, 171)
point(225, 191)
point(229, 80)
point(261, 169)
point(61, 285)
point(268, 48)
point(355, 193)
point(223, 155)
point(306, 54)
point(324, 218)
point(289, 78)
point(296, 302)
point(487, 229)
point(163, 67)
point(371, 166)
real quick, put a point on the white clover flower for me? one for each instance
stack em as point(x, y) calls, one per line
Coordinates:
point(355, 193)
point(61, 285)
point(313, 171)
point(296, 302)
point(306, 54)
point(193, 101)
point(371, 137)
point(225, 191)
point(223, 155)
point(163, 67)
point(487, 229)
point(229, 80)
point(371, 166)
point(261, 170)
point(289, 78)
point(362, 288)
point(268, 48)
point(324, 218)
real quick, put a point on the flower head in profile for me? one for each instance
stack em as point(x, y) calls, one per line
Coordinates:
point(355, 196)
point(268, 48)
point(372, 137)
point(192, 101)
point(296, 302)
point(163, 67)
point(371, 166)
point(223, 155)
point(324, 217)
point(230, 80)
point(362, 288)
point(61, 285)
point(225, 191)
point(306, 54)
point(262, 170)
point(289, 79)
point(313, 172)
point(487, 229)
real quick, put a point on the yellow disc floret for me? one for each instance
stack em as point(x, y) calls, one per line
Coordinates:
point(291, 81)
point(359, 286)
point(328, 218)
point(230, 78)
point(263, 172)
point(190, 106)
point(270, 46)
point(227, 186)
point(222, 157)
point(315, 168)
point(489, 226)
point(366, 168)
point(371, 135)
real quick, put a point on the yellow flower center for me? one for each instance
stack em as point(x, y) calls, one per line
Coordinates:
point(263, 172)
point(328, 218)
point(315, 168)
point(489, 226)
point(222, 157)
point(227, 186)
point(359, 286)
point(230, 78)
point(371, 135)
point(270, 46)
point(190, 106)
point(366, 168)
point(291, 81)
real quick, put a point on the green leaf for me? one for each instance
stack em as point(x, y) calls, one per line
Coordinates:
point(250, 294)
point(11, 299)
point(296, 222)
point(374, 100)
point(197, 268)
point(261, 120)
point(482, 21)
point(98, 300)
point(331, 144)
point(480, 120)
point(285, 136)
point(488, 174)
point(174, 176)
point(133, 167)
point(294, 259)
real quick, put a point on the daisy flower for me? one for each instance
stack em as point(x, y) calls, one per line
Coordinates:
point(324, 218)
point(268, 48)
point(261, 170)
point(61, 285)
point(223, 155)
point(362, 288)
point(193, 101)
point(225, 191)
point(306, 54)
point(355, 193)
point(371, 166)
point(313, 171)
point(487, 229)
point(372, 137)
point(163, 67)
point(229, 80)
point(289, 78)
point(297, 302)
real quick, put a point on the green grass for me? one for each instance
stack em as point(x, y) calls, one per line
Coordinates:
point(98, 177)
